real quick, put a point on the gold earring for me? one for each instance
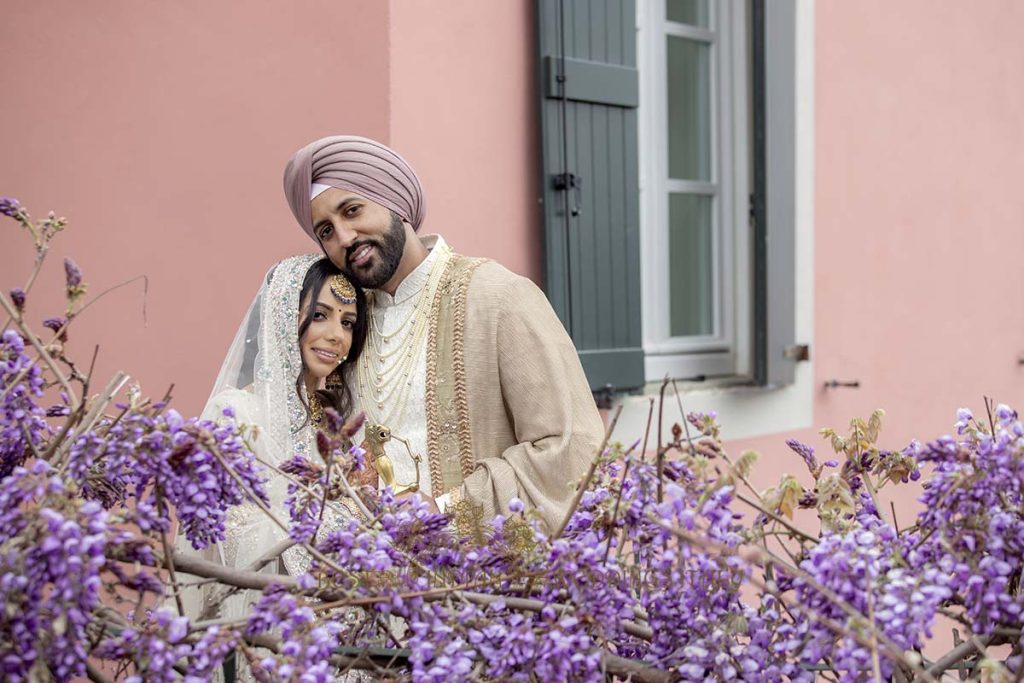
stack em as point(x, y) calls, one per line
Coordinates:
point(334, 380)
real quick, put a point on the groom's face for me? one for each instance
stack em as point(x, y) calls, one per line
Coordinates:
point(364, 239)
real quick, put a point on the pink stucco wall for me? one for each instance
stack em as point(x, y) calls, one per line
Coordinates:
point(919, 216)
point(919, 159)
point(462, 110)
point(161, 131)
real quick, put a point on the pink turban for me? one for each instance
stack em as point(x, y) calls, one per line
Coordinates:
point(356, 164)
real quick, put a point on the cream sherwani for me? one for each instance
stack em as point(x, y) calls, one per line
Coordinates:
point(535, 427)
point(500, 405)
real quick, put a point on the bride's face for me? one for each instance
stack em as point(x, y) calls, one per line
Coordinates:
point(329, 335)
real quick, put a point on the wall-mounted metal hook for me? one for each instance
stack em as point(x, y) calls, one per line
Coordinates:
point(849, 384)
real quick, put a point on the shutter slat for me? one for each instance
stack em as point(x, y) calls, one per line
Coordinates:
point(596, 82)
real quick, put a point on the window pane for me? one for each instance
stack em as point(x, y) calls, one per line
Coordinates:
point(690, 265)
point(693, 12)
point(689, 109)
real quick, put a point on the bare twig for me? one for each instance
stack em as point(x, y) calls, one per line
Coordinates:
point(95, 674)
point(585, 484)
point(63, 328)
point(353, 662)
point(108, 290)
point(632, 670)
point(47, 358)
point(256, 566)
point(92, 367)
point(618, 501)
point(661, 451)
point(781, 520)
point(958, 653)
point(531, 605)
point(36, 267)
point(62, 445)
point(100, 403)
point(354, 496)
point(240, 578)
point(252, 580)
point(168, 555)
point(682, 414)
point(876, 664)
point(647, 430)
point(327, 487)
point(368, 521)
point(743, 478)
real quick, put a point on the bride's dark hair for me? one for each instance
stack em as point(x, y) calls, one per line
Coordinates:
point(339, 397)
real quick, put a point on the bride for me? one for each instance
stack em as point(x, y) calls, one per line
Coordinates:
point(293, 355)
point(290, 359)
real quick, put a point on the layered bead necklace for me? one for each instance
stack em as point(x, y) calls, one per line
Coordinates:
point(385, 369)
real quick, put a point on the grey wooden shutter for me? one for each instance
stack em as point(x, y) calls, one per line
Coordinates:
point(774, 210)
point(588, 97)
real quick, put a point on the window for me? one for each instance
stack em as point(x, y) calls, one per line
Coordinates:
point(668, 189)
point(695, 102)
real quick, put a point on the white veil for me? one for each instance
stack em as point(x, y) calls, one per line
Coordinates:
point(258, 381)
point(264, 360)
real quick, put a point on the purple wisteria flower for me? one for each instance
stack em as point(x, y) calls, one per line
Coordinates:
point(49, 573)
point(655, 566)
point(972, 524)
point(72, 274)
point(154, 648)
point(22, 427)
point(58, 325)
point(9, 206)
point(306, 640)
point(863, 568)
point(807, 454)
point(18, 298)
point(195, 464)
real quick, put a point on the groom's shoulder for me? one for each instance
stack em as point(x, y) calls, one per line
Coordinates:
point(492, 284)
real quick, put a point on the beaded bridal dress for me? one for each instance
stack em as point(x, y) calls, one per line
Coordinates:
point(258, 383)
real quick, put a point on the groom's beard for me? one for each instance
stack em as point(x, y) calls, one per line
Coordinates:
point(388, 255)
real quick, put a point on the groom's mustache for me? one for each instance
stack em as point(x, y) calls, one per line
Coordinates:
point(356, 246)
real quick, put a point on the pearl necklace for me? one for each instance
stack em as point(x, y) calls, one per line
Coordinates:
point(383, 382)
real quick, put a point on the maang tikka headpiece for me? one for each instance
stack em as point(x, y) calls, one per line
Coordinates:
point(342, 289)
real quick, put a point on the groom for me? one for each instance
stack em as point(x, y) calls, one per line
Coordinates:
point(464, 360)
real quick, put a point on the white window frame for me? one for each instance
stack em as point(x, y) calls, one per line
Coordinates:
point(727, 351)
point(753, 411)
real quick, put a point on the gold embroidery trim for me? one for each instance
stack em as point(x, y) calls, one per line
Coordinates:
point(459, 369)
point(446, 418)
point(433, 440)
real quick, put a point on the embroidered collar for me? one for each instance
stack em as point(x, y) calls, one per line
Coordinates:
point(415, 281)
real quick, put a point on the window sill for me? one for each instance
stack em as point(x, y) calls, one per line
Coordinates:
point(744, 410)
